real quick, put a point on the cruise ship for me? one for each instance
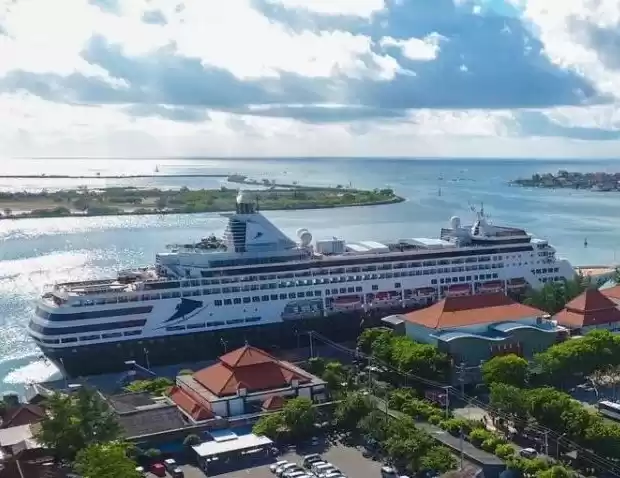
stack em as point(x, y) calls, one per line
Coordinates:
point(256, 285)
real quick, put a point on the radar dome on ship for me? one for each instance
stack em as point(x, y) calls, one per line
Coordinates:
point(455, 222)
point(305, 237)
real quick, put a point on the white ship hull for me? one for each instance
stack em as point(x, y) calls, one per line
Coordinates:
point(267, 290)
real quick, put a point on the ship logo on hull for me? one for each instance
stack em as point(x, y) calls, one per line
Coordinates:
point(186, 309)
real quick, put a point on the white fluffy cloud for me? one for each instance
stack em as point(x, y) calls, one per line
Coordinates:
point(235, 37)
point(355, 8)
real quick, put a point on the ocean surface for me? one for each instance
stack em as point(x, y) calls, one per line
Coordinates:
point(35, 252)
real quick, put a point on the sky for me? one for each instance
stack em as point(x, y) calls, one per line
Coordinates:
point(266, 78)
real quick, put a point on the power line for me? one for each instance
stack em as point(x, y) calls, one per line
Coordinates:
point(587, 455)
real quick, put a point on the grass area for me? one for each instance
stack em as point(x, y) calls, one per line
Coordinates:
point(134, 201)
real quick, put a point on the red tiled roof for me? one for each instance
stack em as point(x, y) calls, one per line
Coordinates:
point(23, 414)
point(275, 402)
point(248, 368)
point(590, 308)
point(470, 310)
point(245, 356)
point(612, 292)
point(189, 405)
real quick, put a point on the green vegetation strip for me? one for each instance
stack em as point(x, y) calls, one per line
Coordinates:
point(521, 399)
point(135, 201)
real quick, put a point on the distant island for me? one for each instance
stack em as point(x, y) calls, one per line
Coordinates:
point(115, 201)
point(573, 180)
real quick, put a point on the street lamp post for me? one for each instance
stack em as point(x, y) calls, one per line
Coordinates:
point(146, 358)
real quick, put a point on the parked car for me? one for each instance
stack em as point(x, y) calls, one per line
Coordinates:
point(388, 472)
point(277, 465)
point(158, 469)
point(528, 453)
point(281, 469)
point(173, 468)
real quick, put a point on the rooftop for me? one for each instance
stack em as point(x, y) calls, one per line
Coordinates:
point(150, 421)
point(21, 415)
point(591, 308)
point(248, 368)
point(129, 402)
point(612, 292)
point(464, 311)
point(240, 443)
point(19, 434)
point(192, 405)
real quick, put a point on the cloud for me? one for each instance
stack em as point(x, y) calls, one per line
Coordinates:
point(279, 75)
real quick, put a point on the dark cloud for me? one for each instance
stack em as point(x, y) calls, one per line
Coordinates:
point(485, 62)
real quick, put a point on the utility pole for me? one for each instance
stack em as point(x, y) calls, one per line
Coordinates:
point(547, 442)
point(462, 452)
point(311, 344)
point(462, 378)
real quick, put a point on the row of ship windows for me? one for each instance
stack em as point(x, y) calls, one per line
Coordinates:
point(342, 290)
point(280, 285)
point(172, 328)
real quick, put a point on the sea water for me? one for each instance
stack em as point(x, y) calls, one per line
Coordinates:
point(35, 252)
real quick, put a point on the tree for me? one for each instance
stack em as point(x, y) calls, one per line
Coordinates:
point(74, 422)
point(368, 337)
point(553, 296)
point(510, 400)
point(105, 460)
point(596, 351)
point(192, 440)
point(334, 375)
point(509, 369)
point(438, 460)
point(351, 409)
point(557, 471)
point(374, 426)
point(316, 366)
point(299, 416)
point(271, 426)
point(424, 360)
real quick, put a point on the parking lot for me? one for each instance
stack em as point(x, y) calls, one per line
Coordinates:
point(349, 460)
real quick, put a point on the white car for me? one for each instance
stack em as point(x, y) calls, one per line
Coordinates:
point(282, 469)
point(528, 453)
point(277, 465)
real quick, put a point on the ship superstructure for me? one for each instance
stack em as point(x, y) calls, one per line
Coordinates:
point(257, 285)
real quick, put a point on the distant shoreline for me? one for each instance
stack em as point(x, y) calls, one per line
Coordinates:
point(134, 201)
point(592, 181)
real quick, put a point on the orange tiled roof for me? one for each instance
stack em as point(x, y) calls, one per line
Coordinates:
point(612, 292)
point(470, 310)
point(246, 355)
point(592, 307)
point(275, 402)
point(249, 368)
point(185, 402)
